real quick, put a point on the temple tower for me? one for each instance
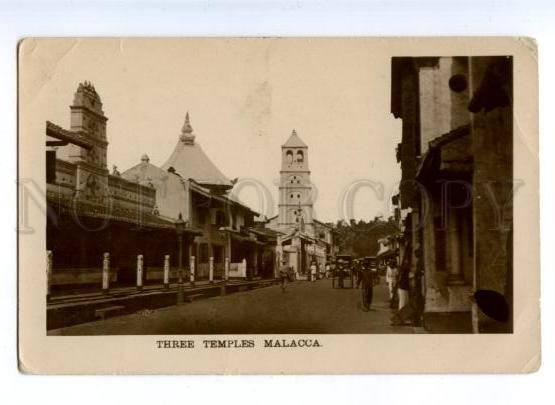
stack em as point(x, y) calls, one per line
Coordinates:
point(88, 119)
point(295, 190)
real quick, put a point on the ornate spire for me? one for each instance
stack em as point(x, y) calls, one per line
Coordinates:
point(86, 96)
point(187, 132)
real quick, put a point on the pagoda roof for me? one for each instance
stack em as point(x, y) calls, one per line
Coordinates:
point(191, 162)
point(294, 141)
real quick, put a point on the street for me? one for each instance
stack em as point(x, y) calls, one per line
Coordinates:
point(305, 307)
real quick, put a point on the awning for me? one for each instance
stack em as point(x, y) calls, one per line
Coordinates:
point(66, 137)
point(449, 153)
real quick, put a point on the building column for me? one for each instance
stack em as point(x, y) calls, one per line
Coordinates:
point(455, 276)
point(211, 269)
point(192, 271)
point(227, 249)
point(139, 272)
point(167, 272)
point(255, 261)
point(429, 259)
point(106, 273)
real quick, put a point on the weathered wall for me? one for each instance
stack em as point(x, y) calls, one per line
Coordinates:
point(493, 182)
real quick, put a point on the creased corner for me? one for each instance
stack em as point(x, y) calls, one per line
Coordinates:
point(532, 365)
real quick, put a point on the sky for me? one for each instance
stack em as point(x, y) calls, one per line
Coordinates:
point(244, 97)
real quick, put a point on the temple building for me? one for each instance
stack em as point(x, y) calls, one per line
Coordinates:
point(190, 185)
point(305, 239)
point(133, 219)
point(92, 212)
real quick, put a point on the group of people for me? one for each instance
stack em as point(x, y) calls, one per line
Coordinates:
point(366, 277)
point(397, 282)
point(316, 272)
point(403, 285)
point(406, 289)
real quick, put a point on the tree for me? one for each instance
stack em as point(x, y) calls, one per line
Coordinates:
point(360, 238)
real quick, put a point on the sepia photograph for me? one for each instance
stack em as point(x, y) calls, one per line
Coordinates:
point(287, 188)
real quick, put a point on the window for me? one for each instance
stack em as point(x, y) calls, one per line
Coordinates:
point(201, 216)
point(289, 157)
point(300, 156)
point(218, 253)
point(203, 253)
point(294, 180)
point(220, 218)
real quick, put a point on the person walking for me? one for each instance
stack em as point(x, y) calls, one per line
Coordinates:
point(358, 274)
point(321, 271)
point(341, 275)
point(283, 274)
point(367, 278)
point(328, 270)
point(313, 271)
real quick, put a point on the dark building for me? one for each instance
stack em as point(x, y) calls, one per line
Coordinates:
point(456, 158)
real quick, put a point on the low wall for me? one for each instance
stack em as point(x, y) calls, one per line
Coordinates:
point(157, 273)
point(85, 275)
point(238, 270)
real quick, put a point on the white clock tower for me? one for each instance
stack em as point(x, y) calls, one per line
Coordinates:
point(295, 190)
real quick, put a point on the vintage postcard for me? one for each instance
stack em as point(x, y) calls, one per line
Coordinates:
point(278, 205)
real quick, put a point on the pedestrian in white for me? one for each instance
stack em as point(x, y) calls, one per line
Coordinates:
point(391, 278)
point(283, 274)
point(313, 270)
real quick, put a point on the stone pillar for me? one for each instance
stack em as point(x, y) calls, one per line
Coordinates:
point(48, 273)
point(106, 273)
point(277, 264)
point(226, 269)
point(139, 272)
point(167, 272)
point(192, 272)
point(211, 269)
point(454, 250)
point(432, 292)
point(255, 261)
point(227, 251)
